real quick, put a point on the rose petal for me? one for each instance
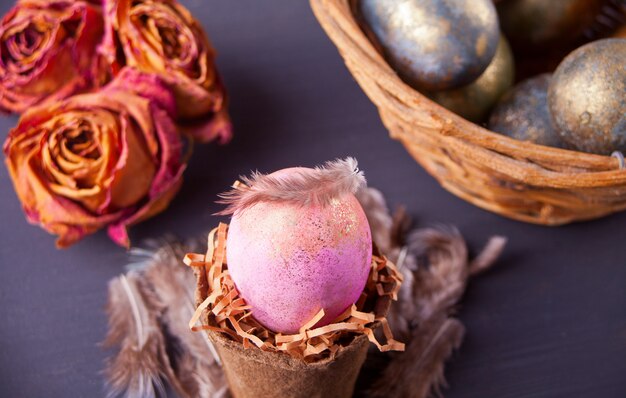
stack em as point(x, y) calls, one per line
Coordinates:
point(167, 180)
point(134, 159)
point(163, 37)
point(147, 85)
point(59, 60)
point(134, 176)
point(215, 126)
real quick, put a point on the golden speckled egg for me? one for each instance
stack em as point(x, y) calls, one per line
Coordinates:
point(434, 44)
point(587, 97)
point(537, 24)
point(475, 100)
point(523, 114)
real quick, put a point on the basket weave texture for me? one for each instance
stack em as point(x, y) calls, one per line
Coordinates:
point(520, 180)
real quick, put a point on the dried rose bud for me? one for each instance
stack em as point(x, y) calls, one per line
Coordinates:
point(48, 51)
point(111, 158)
point(162, 37)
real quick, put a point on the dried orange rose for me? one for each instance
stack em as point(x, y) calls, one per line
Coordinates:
point(161, 36)
point(111, 158)
point(48, 50)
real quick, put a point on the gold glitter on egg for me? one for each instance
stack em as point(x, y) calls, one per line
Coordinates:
point(523, 113)
point(587, 97)
point(474, 101)
point(344, 216)
point(434, 44)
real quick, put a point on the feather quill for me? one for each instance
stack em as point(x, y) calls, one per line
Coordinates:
point(304, 187)
point(199, 379)
point(197, 363)
point(426, 301)
point(488, 255)
point(141, 365)
point(418, 372)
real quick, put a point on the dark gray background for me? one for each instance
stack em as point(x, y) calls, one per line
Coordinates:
point(548, 321)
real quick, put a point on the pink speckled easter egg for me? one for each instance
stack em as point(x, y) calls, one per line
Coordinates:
point(288, 261)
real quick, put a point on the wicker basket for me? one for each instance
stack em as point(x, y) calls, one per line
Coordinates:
point(516, 179)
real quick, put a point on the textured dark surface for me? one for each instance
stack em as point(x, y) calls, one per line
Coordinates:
point(548, 321)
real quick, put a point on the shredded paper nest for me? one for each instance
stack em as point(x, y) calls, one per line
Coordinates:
point(223, 310)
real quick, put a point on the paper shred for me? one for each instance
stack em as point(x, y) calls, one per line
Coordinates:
point(314, 350)
point(199, 328)
point(289, 346)
point(363, 316)
point(289, 338)
point(198, 312)
point(257, 341)
point(194, 260)
point(370, 336)
point(392, 345)
point(208, 257)
point(333, 327)
point(225, 301)
point(344, 315)
point(225, 312)
point(313, 321)
point(215, 255)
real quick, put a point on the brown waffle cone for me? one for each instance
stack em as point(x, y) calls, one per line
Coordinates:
point(252, 372)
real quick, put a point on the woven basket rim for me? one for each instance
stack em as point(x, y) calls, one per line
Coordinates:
point(592, 170)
